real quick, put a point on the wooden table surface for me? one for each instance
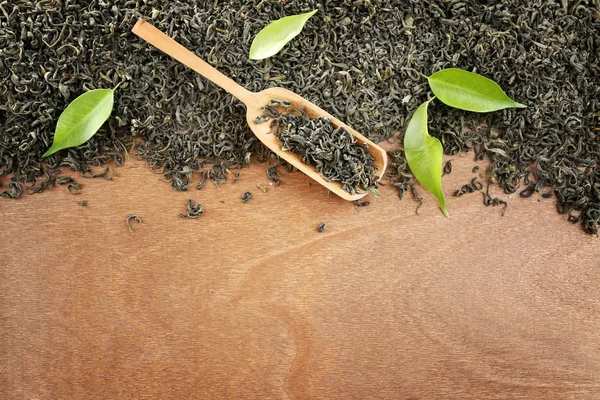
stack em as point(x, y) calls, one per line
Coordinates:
point(251, 302)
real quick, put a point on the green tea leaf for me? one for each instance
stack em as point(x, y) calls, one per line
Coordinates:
point(375, 192)
point(82, 119)
point(469, 91)
point(424, 155)
point(274, 36)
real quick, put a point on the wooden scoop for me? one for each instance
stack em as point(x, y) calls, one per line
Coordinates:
point(254, 102)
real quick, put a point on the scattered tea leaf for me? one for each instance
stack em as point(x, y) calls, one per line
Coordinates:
point(358, 203)
point(447, 168)
point(15, 190)
point(424, 155)
point(262, 187)
point(469, 91)
point(128, 221)
point(82, 119)
point(375, 191)
point(195, 210)
point(246, 196)
point(277, 34)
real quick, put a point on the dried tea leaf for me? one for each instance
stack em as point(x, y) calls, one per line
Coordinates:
point(469, 91)
point(424, 155)
point(82, 119)
point(277, 34)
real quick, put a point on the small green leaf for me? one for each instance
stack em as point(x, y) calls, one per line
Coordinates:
point(274, 36)
point(469, 91)
point(375, 191)
point(424, 155)
point(82, 119)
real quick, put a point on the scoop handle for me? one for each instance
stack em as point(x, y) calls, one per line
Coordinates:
point(169, 46)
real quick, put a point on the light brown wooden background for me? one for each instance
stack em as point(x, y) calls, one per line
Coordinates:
point(251, 302)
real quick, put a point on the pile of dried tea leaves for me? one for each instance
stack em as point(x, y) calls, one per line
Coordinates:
point(350, 59)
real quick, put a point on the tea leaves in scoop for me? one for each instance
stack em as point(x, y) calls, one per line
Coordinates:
point(333, 150)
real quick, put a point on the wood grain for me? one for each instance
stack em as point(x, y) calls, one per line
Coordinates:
point(251, 302)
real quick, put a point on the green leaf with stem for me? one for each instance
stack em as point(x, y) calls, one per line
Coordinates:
point(277, 34)
point(82, 119)
point(469, 91)
point(424, 155)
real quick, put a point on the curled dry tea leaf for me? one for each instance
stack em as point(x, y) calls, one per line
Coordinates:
point(424, 155)
point(469, 91)
point(277, 34)
point(82, 119)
